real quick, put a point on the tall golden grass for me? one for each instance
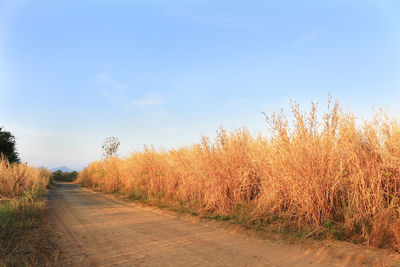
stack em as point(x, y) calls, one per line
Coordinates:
point(18, 180)
point(24, 231)
point(321, 174)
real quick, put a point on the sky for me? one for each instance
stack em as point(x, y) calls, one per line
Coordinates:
point(163, 73)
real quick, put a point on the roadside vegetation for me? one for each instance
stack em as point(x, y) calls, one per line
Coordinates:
point(24, 231)
point(321, 175)
point(65, 176)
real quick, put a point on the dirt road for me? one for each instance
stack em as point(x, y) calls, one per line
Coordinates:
point(97, 230)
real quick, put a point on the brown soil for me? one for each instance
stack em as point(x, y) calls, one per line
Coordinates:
point(97, 230)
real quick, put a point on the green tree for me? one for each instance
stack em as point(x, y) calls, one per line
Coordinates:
point(7, 146)
point(65, 176)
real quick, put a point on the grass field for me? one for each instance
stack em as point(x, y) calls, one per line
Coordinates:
point(322, 175)
point(24, 230)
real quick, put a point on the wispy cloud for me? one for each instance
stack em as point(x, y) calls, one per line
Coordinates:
point(113, 90)
point(149, 100)
point(109, 83)
point(152, 105)
point(309, 36)
point(119, 94)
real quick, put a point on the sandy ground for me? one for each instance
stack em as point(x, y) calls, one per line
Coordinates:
point(97, 230)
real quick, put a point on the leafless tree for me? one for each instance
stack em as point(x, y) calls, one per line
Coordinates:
point(110, 147)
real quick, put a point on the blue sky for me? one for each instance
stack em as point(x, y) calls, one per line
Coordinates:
point(163, 73)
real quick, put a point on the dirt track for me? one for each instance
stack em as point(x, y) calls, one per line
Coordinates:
point(97, 230)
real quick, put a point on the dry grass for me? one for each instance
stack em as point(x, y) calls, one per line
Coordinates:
point(22, 181)
point(323, 175)
point(24, 231)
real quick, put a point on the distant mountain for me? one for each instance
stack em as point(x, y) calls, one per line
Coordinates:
point(63, 169)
